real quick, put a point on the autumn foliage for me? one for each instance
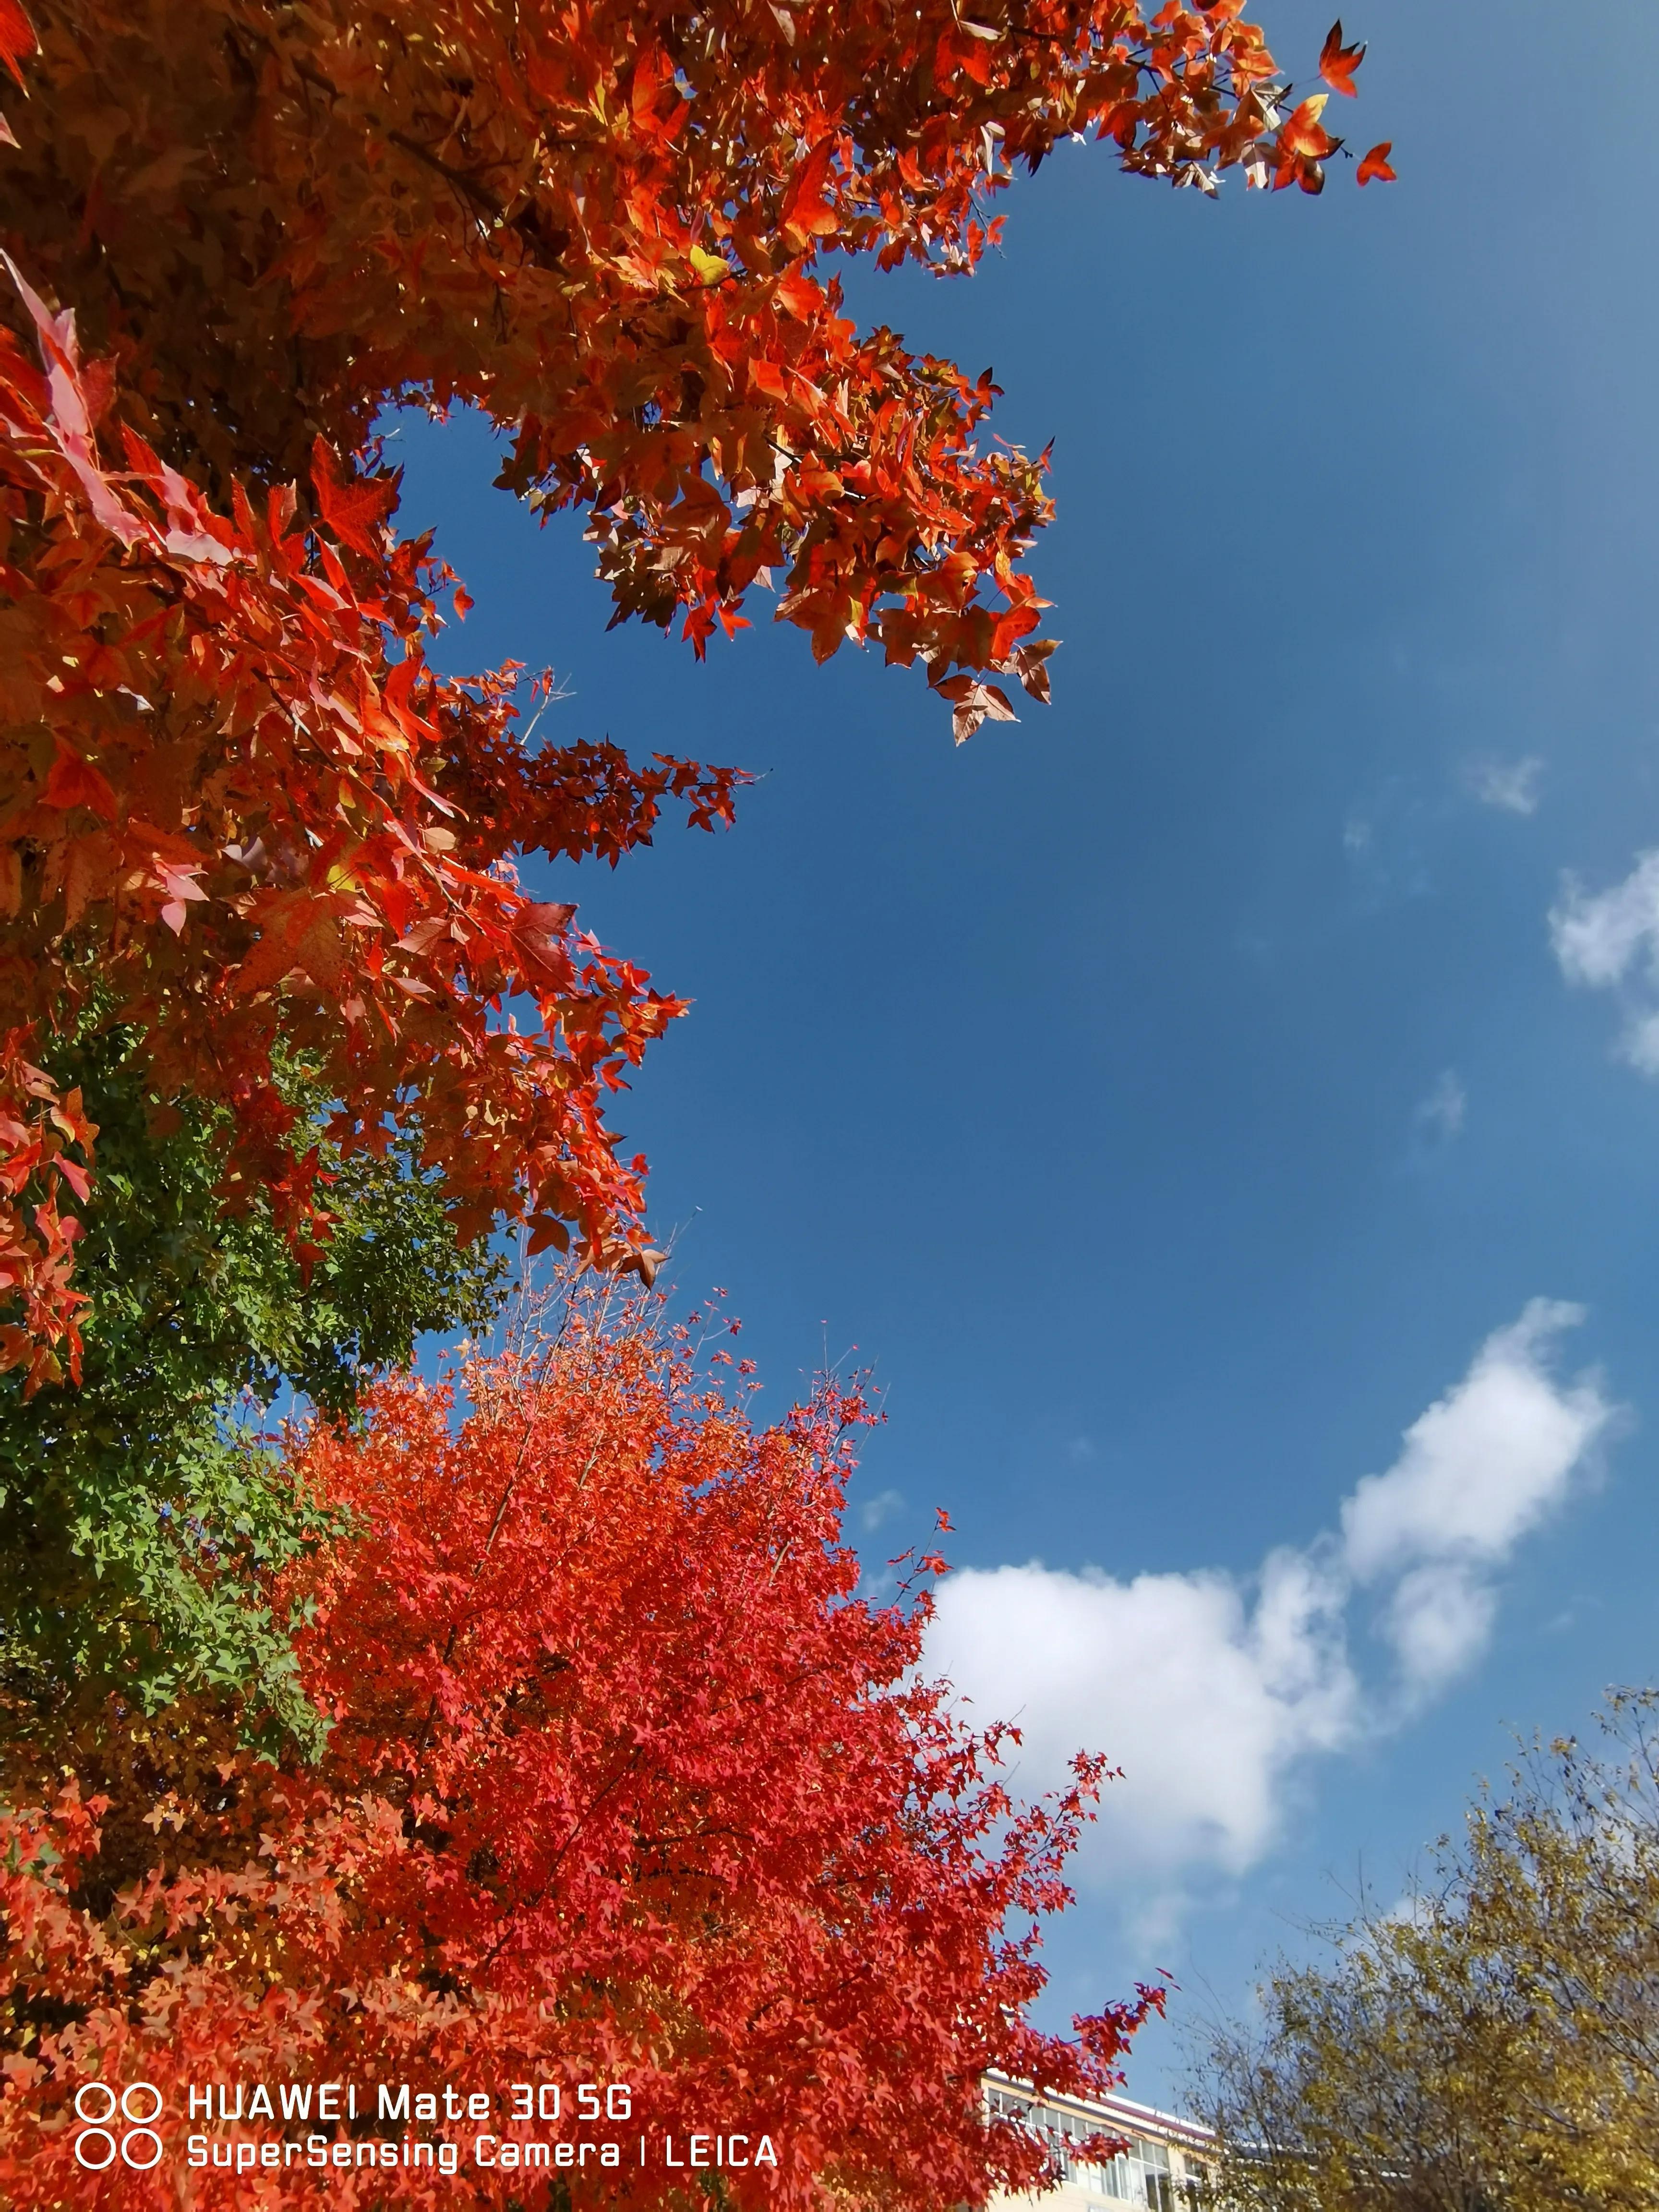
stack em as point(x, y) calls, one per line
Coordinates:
point(240, 231)
point(601, 1769)
point(241, 803)
point(624, 1783)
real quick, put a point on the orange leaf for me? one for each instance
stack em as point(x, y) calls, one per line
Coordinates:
point(1304, 135)
point(320, 952)
point(804, 208)
point(352, 507)
point(1338, 63)
point(1376, 165)
point(654, 99)
point(76, 782)
point(766, 377)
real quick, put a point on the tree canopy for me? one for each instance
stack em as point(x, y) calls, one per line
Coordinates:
point(1490, 2045)
point(239, 231)
point(623, 1781)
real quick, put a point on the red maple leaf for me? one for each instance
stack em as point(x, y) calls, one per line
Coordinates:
point(354, 507)
point(1338, 63)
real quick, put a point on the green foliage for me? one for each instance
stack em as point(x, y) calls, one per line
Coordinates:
point(142, 1515)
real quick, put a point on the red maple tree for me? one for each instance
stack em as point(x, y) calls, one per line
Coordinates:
point(230, 783)
point(625, 1785)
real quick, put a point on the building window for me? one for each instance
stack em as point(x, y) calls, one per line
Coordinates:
point(1141, 2178)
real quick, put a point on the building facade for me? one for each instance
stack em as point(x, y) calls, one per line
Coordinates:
point(1166, 2168)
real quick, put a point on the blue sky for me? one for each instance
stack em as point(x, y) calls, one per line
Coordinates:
point(1171, 1095)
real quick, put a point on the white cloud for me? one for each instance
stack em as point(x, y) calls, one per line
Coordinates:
point(1480, 1469)
point(1510, 786)
point(1201, 1697)
point(1486, 1462)
point(1609, 940)
point(1439, 1622)
point(882, 1507)
point(1212, 1691)
point(1442, 1111)
point(1599, 939)
point(1638, 1043)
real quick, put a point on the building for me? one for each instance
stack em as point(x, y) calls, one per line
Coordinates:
point(1166, 2168)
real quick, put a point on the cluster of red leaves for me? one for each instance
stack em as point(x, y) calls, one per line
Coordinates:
point(624, 1783)
point(724, 421)
point(37, 1238)
point(601, 224)
point(1303, 145)
point(240, 799)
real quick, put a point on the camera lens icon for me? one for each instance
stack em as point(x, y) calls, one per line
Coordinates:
point(136, 2145)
